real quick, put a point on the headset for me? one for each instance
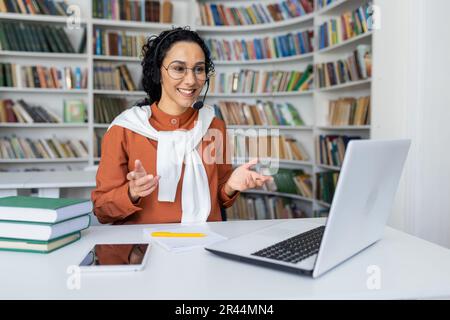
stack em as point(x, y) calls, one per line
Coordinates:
point(156, 72)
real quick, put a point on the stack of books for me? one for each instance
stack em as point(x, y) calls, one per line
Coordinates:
point(107, 108)
point(357, 66)
point(267, 146)
point(330, 149)
point(131, 10)
point(286, 45)
point(114, 43)
point(326, 185)
point(108, 76)
point(249, 81)
point(23, 112)
point(213, 14)
point(33, 224)
point(51, 148)
point(34, 37)
point(262, 113)
point(349, 112)
point(38, 76)
point(296, 182)
point(258, 207)
point(349, 25)
point(47, 7)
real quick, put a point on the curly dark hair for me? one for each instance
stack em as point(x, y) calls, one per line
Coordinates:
point(151, 64)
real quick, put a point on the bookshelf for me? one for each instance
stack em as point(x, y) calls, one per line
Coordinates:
point(312, 104)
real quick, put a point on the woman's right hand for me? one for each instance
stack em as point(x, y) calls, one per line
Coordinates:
point(140, 184)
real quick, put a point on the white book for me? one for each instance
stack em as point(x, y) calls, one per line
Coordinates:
point(41, 231)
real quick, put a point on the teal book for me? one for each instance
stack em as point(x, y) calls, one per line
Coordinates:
point(22, 245)
point(43, 210)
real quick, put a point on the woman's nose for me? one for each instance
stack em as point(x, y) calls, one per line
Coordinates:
point(190, 78)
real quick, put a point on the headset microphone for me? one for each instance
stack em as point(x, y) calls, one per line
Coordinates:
point(199, 104)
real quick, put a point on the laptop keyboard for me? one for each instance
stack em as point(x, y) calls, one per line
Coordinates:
point(296, 248)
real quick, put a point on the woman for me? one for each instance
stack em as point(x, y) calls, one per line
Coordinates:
point(165, 161)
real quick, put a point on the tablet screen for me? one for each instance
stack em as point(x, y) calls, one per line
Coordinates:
point(115, 255)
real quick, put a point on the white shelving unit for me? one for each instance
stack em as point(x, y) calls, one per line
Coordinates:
point(311, 104)
point(352, 89)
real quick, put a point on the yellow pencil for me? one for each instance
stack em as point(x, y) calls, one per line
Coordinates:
point(177, 234)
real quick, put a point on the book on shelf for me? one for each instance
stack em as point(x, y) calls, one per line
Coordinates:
point(349, 25)
point(83, 42)
point(289, 181)
point(108, 108)
point(43, 7)
point(166, 11)
point(23, 112)
point(326, 185)
point(66, 78)
point(108, 76)
point(324, 3)
point(129, 10)
point(42, 231)
point(349, 112)
point(75, 111)
point(33, 37)
point(8, 75)
point(255, 81)
point(52, 148)
point(265, 146)
point(38, 246)
point(321, 213)
point(115, 43)
point(258, 207)
point(215, 14)
point(330, 149)
point(291, 44)
point(357, 66)
point(98, 136)
point(42, 209)
point(263, 113)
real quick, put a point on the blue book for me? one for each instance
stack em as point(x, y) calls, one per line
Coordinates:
point(286, 10)
point(142, 10)
point(301, 43)
point(244, 46)
point(291, 44)
point(119, 44)
point(284, 46)
point(257, 46)
point(275, 45)
point(78, 77)
point(98, 42)
point(216, 15)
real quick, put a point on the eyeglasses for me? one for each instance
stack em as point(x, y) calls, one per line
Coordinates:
point(178, 70)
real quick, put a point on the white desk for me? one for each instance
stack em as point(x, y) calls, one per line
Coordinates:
point(48, 183)
point(410, 268)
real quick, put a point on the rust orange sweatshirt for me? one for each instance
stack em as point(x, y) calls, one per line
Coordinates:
point(121, 147)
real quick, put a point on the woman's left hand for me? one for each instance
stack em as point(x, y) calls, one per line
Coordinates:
point(243, 178)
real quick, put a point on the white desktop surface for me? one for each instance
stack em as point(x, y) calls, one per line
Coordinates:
point(410, 268)
point(47, 179)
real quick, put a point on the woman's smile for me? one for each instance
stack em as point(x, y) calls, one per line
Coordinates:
point(187, 93)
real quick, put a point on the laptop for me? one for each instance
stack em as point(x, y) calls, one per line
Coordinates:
point(361, 205)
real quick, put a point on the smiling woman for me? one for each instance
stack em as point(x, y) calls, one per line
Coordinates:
point(151, 170)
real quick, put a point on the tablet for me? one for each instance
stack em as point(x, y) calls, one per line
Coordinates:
point(116, 257)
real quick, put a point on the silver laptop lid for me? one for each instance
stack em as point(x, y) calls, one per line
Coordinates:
point(362, 201)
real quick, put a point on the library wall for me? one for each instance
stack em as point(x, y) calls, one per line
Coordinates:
point(411, 101)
